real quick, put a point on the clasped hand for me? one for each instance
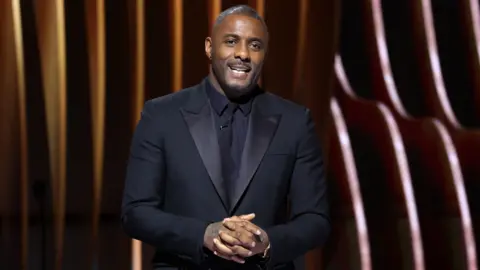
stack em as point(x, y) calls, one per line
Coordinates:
point(236, 238)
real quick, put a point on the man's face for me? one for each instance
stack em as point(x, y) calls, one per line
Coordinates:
point(237, 50)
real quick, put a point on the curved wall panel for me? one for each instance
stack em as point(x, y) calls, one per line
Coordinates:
point(429, 146)
point(471, 15)
point(385, 179)
point(428, 57)
point(349, 246)
point(453, 37)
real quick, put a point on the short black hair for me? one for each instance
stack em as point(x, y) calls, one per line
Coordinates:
point(240, 10)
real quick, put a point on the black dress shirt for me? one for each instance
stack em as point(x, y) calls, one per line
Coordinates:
point(231, 154)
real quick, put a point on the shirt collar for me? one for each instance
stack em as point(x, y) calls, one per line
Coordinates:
point(220, 102)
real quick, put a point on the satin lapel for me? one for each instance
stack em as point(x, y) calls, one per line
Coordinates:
point(261, 129)
point(201, 126)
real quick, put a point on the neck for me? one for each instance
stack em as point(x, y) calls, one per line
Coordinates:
point(215, 84)
point(242, 99)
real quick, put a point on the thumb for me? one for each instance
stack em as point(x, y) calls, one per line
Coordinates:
point(248, 217)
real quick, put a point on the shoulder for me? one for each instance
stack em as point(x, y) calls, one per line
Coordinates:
point(170, 102)
point(174, 99)
point(162, 112)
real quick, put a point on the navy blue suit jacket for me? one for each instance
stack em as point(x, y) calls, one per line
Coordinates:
point(174, 189)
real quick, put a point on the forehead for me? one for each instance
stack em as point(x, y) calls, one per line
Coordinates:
point(241, 25)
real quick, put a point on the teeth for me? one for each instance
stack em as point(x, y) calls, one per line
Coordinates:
point(238, 70)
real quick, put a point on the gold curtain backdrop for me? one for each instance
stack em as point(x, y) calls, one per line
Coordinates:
point(394, 89)
point(74, 76)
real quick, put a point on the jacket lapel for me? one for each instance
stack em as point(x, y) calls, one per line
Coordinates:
point(261, 128)
point(200, 122)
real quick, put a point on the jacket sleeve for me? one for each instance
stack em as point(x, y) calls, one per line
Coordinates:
point(142, 217)
point(309, 224)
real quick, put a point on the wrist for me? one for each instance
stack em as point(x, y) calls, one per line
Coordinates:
point(207, 236)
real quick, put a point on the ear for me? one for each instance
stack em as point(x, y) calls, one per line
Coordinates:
point(208, 47)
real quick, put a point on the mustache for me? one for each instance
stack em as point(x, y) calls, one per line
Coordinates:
point(239, 63)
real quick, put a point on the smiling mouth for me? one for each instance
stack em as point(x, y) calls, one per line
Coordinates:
point(240, 69)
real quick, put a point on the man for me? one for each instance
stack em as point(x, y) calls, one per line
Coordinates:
point(213, 167)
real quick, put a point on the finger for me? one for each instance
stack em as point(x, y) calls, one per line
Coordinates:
point(240, 235)
point(221, 248)
point(251, 228)
point(238, 259)
point(238, 226)
point(242, 217)
point(234, 218)
point(231, 225)
point(248, 217)
point(246, 238)
point(242, 252)
point(228, 239)
point(257, 232)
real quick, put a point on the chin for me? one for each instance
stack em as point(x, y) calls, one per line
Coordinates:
point(239, 89)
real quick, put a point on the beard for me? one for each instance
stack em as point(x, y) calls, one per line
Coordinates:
point(231, 89)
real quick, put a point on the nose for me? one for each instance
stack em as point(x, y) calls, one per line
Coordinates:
point(241, 51)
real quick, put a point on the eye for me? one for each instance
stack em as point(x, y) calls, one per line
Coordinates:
point(230, 42)
point(256, 45)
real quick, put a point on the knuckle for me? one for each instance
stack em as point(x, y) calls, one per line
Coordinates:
point(245, 253)
point(233, 241)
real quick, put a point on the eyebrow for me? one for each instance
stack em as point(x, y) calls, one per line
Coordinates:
point(249, 39)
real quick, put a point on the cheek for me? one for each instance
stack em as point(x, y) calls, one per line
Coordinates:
point(218, 65)
point(223, 53)
point(219, 60)
point(257, 59)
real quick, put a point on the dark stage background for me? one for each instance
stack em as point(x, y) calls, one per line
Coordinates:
point(394, 87)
